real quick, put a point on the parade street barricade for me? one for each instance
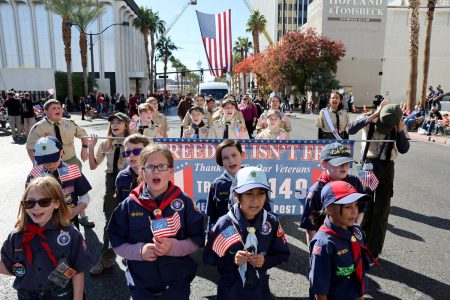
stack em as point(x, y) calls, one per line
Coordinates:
point(292, 166)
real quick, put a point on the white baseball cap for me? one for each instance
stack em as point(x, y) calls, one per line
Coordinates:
point(250, 178)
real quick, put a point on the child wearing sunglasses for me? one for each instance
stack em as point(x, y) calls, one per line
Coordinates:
point(45, 253)
point(111, 149)
point(48, 152)
point(156, 229)
point(127, 179)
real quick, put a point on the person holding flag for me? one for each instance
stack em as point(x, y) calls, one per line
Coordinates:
point(247, 241)
point(156, 229)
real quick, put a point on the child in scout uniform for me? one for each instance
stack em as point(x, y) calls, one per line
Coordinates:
point(210, 110)
point(229, 126)
point(156, 229)
point(127, 179)
point(197, 128)
point(274, 104)
point(111, 148)
point(229, 155)
point(335, 160)
point(199, 101)
point(64, 130)
point(45, 253)
point(47, 153)
point(144, 123)
point(332, 121)
point(158, 118)
point(247, 241)
point(338, 255)
point(273, 131)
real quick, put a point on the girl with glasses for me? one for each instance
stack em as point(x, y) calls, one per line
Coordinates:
point(111, 149)
point(156, 229)
point(46, 254)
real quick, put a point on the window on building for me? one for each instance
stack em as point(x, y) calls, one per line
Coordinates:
point(26, 35)
point(58, 48)
point(43, 36)
point(9, 35)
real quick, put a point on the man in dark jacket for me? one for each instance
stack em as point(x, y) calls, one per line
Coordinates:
point(183, 108)
point(27, 113)
point(14, 113)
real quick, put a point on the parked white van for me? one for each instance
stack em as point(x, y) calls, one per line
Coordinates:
point(217, 89)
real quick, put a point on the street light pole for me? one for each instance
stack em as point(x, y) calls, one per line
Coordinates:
point(91, 42)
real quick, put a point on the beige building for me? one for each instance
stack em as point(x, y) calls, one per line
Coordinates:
point(376, 37)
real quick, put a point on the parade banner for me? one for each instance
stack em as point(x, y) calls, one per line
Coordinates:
point(292, 166)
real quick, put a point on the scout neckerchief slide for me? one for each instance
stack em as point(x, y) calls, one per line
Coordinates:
point(326, 114)
point(250, 243)
point(358, 252)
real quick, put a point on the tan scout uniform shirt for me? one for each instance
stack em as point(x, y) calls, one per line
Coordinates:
point(187, 119)
point(153, 130)
point(68, 129)
point(276, 134)
point(236, 130)
point(202, 132)
point(262, 122)
point(322, 123)
point(376, 147)
point(103, 151)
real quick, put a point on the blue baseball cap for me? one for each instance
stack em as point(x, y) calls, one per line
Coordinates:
point(250, 178)
point(47, 150)
point(340, 192)
point(336, 154)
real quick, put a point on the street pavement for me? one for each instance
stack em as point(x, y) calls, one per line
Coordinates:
point(415, 263)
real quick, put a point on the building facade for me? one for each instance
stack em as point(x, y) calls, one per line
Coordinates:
point(31, 39)
point(282, 16)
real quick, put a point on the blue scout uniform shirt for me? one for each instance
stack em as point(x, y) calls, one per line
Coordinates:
point(314, 203)
point(72, 181)
point(332, 267)
point(218, 198)
point(126, 181)
point(130, 223)
point(66, 242)
point(271, 243)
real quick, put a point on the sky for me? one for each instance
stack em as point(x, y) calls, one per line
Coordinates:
point(186, 33)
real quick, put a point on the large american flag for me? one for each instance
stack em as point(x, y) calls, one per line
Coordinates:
point(369, 180)
point(166, 227)
point(216, 36)
point(225, 240)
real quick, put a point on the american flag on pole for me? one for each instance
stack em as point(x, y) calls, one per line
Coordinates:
point(216, 36)
point(225, 240)
point(166, 227)
point(369, 179)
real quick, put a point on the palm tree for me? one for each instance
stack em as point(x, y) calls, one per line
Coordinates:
point(176, 63)
point(414, 28)
point(256, 24)
point(165, 47)
point(143, 24)
point(156, 27)
point(65, 9)
point(87, 12)
point(243, 45)
point(426, 56)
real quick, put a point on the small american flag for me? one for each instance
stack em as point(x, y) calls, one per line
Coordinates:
point(240, 132)
point(369, 180)
point(225, 240)
point(281, 136)
point(166, 227)
point(217, 40)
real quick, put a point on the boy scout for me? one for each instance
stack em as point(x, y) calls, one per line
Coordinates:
point(197, 129)
point(274, 131)
point(64, 130)
point(159, 118)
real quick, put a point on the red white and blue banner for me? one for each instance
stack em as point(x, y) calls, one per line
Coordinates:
point(292, 166)
point(217, 40)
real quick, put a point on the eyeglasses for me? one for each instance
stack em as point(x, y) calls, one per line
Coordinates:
point(152, 168)
point(135, 152)
point(43, 202)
